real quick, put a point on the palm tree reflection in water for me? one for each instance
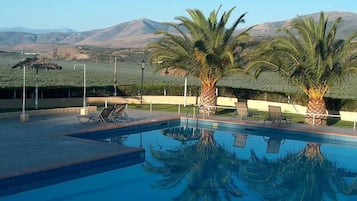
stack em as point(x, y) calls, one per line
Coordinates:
point(182, 134)
point(208, 168)
point(212, 172)
point(306, 175)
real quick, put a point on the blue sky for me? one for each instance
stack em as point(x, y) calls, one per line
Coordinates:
point(85, 15)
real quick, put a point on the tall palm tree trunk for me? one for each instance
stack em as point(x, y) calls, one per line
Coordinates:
point(316, 112)
point(208, 98)
point(312, 150)
point(207, 137)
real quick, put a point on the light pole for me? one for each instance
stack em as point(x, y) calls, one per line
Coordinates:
point(185, 92)
point(115, 77)
point(23, 116)
point(36, 90)
point(83, 110)
point(142, 81)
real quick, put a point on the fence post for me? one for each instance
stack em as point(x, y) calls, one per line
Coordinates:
point(354, 123)
point(150, 106)
point(179, 108)
point(313, 119)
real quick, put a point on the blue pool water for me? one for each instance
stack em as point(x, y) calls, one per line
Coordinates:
point(205, 164)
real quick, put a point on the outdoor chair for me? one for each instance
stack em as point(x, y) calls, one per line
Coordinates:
point(273, 144)
point(101, 117)
point(275, 115)
point(240, 140)
point(119, 113)
point(242, 110)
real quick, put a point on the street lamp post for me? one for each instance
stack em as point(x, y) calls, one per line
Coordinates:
point(84, 109)
point(142, 81)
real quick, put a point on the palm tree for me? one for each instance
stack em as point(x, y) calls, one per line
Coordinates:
point(311, 57)
point(206, 166)
point(306, 175)
point(209, 52)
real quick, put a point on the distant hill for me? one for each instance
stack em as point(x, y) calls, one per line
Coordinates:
point(134, 34)
point(34, 31)
point(347, 26)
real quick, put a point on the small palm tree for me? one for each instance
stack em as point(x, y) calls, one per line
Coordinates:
point(209, 52)
point(311, 57)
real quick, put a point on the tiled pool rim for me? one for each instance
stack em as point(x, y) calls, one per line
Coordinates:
point(51, 176)
point(287, 131)
point(35, 179)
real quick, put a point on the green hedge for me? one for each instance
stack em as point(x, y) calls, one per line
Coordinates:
point(174, 90)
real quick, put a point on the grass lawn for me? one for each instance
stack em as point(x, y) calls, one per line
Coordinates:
point(224, 112)
point(221, 112)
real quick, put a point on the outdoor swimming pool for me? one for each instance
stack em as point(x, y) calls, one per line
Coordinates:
point(210, 163)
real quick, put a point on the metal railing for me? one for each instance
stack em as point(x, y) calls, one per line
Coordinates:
point(314, 115)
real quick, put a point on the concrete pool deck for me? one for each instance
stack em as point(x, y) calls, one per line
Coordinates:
point(43, 143)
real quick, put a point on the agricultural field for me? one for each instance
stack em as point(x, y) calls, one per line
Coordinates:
point(102, 74)
point(97, 74)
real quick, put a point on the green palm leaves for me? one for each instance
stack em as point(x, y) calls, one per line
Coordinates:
point(203, 48)
point(311, 57)
point(208, 171)
point(206, 166)
point(306, 175)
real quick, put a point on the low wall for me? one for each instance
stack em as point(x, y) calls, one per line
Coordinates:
point(295, 109)
point(42, 103)
point(146, 100)
point(189, 100)
point(74, 110)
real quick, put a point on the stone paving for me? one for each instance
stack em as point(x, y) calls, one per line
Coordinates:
point(42, 144)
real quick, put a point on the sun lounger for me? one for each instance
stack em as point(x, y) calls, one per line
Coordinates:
point(101, 117)
point(119, 113)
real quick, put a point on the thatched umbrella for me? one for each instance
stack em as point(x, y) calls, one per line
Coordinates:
point(174, 72)
point(182, 134)
point(36, 64)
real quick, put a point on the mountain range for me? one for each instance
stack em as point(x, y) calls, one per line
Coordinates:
point(136, 33)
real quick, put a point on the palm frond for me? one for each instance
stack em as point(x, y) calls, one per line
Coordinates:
point(309, 54)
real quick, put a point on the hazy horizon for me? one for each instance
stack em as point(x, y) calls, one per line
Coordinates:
point(82, 15)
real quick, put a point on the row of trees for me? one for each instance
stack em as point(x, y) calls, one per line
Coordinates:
point(308, 54)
